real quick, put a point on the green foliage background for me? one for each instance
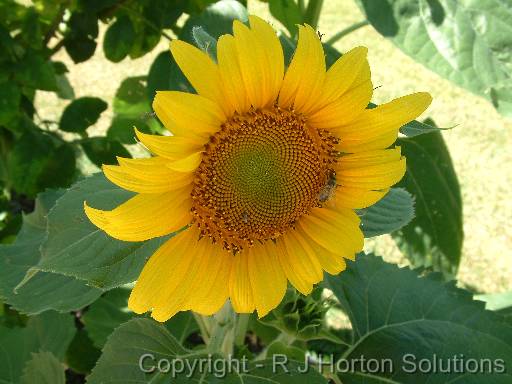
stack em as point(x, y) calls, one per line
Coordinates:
point(60, 274)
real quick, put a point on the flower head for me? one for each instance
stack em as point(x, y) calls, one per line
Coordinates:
point(263, 173)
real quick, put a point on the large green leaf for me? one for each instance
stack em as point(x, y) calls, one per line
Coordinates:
point(10, 97)
point(132, 109)
point(398, 315)
point(82, 355)
point(75, 247)
point(287, 12)
point(44, 290)
point(125, 347)
point(165, 75)
point(80, 39)
point(103, 150)
point(217, 19)
point(43, 368)
point(38, 161)
point(434, 237)
point(119, 39)
point(111, 310)
point(50, 331)
point(106, 314)
point(81, 114)
point(391, 213)
point(468, 42)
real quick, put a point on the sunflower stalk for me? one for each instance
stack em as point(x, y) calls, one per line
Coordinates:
point(313, 11)
point(222, 335)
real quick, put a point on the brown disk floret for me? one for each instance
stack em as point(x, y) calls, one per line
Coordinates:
point(260, 172)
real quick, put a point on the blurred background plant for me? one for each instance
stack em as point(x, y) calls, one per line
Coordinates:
point(67, 106)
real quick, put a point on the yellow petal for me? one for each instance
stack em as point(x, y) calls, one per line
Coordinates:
point(145, 216)
point(337, 230)
point(299, 262)
point(268, 281)
point(303, 81)
point(240, 289)
point(254, 65)
point(211, 289)
point(187, 114)
point(378, 127)
point(357, 198)
point(229, 68)
point(372, 177)
point(146, 175)
point(267, 38)
point(344, 109)
point(164, 271)
point(200, 70)
point(349, 71)
point(170, 147)
point(365, 159)
point(330, 262)
point(187, 164)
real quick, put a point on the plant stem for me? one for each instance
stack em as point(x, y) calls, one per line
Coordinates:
point(203, 328)
point(222, 332)
point(302, 8)
point(241, 328)
point(313, 12)
point(346, 31)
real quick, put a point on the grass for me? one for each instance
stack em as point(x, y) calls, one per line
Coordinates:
point(479, 145)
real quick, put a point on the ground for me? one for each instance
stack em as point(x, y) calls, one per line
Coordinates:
point(478, 145)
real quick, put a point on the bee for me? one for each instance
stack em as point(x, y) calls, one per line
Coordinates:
point(147, 115)
point(245, 217)
point(327, 191)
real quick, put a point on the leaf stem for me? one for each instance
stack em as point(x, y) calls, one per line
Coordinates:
point(313, 11)
point(346, 31)
point(241, 328)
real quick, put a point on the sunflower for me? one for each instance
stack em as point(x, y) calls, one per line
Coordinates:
point(261, 175)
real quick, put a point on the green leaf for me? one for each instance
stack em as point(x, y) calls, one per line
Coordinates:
point(391, 213)
point(467, 42)
point(103, 150)
point(64, 88)
point(121, 128)
point(80, 40)
point(131, 98)
point(76, 247)
point(434, 237)
point(82, 355)
point(106, 314)
point(10, 97)
point(204, 41)
point(44, 290)
point(119, 39)
point(34, 71)
point(38, 161)
point(165, 75)
point(111, 310)
point(287, 12)
point(132, 109)
point(43, 368)
point(217, 19)
point(163, 13)
point(50, 331)
point(395, 313)
point(81, 114)
point(119, 361)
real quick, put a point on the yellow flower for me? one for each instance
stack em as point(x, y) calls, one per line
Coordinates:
point(264, 170)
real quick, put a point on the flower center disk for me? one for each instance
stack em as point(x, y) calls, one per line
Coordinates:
point(260, 172)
